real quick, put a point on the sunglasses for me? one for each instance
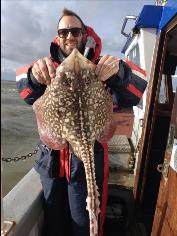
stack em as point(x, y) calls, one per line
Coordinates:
point(63, 33)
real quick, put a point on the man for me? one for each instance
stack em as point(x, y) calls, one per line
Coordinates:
point(62, 173)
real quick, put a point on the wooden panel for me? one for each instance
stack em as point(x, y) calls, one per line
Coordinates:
point(124, 123)
point(165, 221)
point(170, 221)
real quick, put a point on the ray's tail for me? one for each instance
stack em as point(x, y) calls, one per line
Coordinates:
point(93, 203)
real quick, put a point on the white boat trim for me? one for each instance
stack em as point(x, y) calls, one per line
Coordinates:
point(23, 205)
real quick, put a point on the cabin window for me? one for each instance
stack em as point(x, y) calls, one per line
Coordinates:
point(163, 92)
point(174, 81)
point(168, 88)
point(140, 104)
point(134, 55)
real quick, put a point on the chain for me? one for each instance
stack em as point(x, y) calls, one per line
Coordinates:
point(132, 153)
point(138, 145)
point(18, 158)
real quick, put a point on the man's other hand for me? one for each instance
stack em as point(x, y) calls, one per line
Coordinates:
point(107, 67)
point(43, 70)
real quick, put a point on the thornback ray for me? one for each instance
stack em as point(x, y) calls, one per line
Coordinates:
point(76, 109)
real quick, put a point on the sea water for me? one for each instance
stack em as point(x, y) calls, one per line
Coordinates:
point(18, 134)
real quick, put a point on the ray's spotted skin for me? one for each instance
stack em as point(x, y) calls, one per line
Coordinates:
point(76, 108)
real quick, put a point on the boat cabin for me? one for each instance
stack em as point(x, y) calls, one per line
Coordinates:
point(150, 208)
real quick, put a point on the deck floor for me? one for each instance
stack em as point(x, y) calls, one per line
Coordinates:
point(120, 214)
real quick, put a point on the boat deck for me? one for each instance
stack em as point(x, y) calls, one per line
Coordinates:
point(120, 213)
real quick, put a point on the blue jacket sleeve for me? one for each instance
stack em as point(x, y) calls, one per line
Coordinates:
point(28, 87)
point(128, 85)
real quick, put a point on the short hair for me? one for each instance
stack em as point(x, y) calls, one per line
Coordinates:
point(67, 12)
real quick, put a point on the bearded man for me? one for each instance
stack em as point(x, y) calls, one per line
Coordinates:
point(61, 171)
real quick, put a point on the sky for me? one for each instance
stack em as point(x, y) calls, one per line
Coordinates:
point(28, 27)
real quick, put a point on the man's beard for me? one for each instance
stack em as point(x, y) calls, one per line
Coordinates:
point(68, 52)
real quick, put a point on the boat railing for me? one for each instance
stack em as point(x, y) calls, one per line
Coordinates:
point(22, 207)
point(124, 24)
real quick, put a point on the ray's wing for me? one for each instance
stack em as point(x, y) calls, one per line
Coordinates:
point(46, 135)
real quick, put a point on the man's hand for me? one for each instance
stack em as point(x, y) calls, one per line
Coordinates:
point(43, 70)
point(107, 67)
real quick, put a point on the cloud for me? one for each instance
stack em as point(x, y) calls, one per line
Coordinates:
point(112, 47)
point(28, 26)
point(23, 38)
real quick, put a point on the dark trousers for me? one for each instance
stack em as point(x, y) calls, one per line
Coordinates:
point(65, 202)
